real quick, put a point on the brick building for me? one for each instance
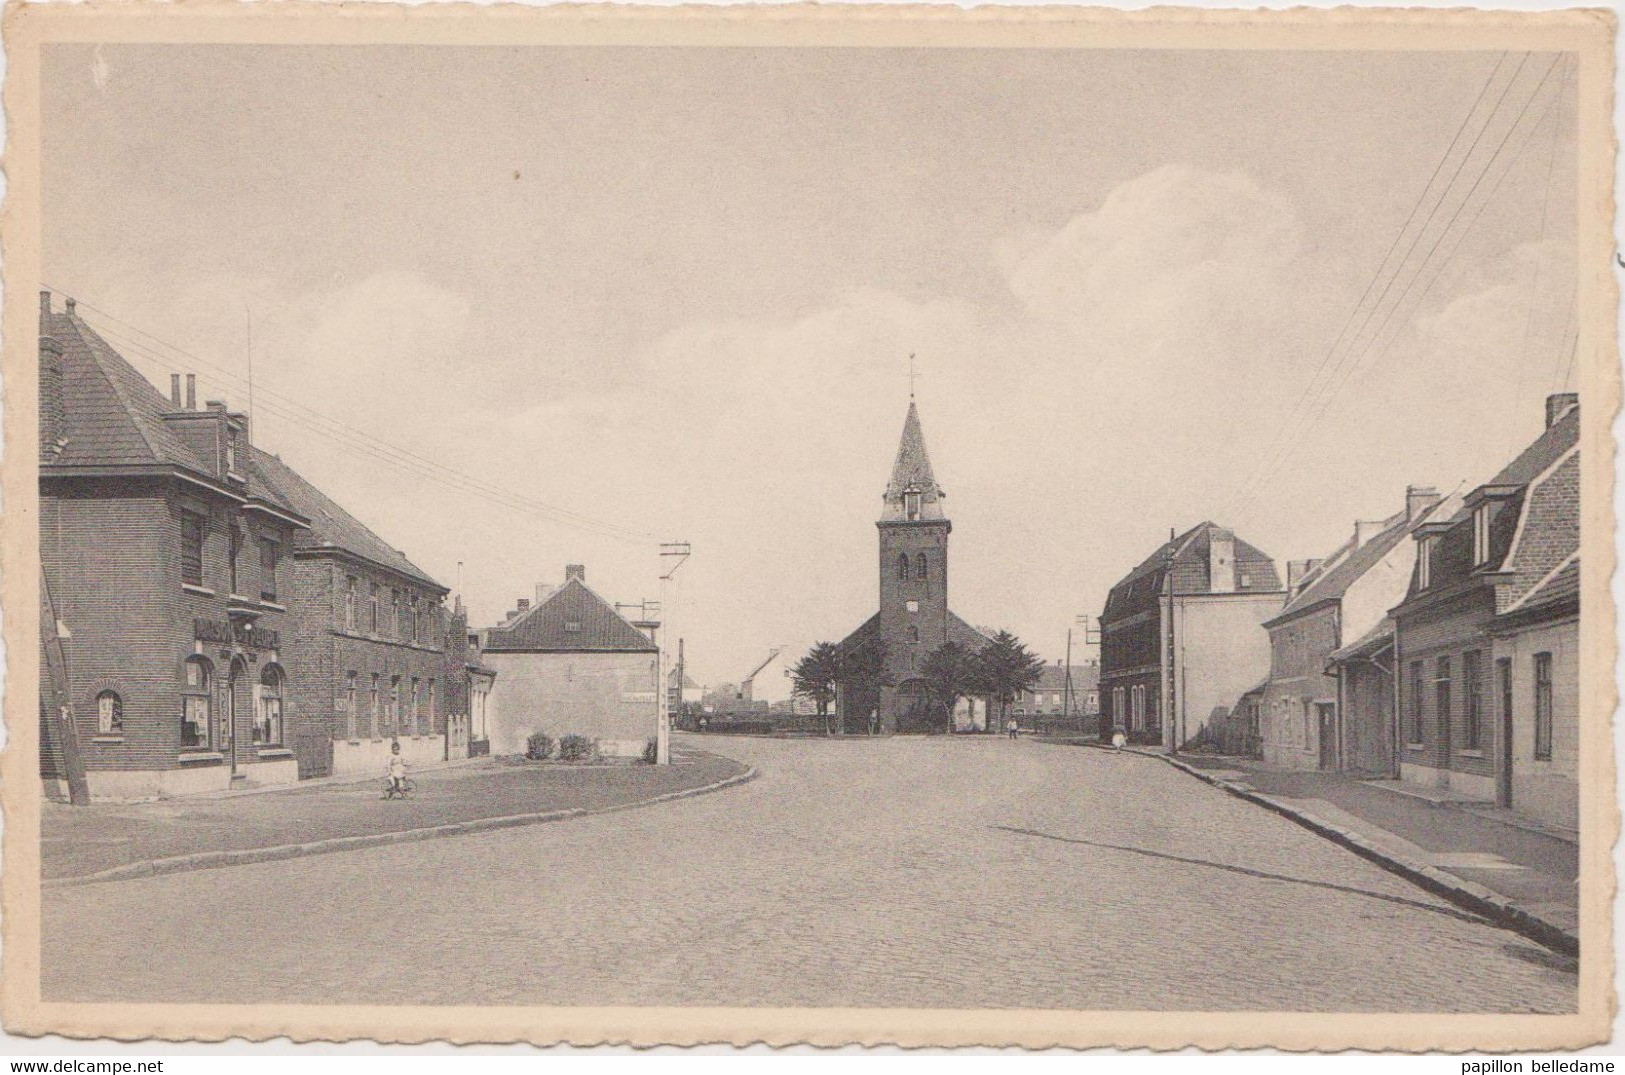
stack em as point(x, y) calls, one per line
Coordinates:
point(1180, 636)
point(570, 664)
point(384, 662)
point(1487, 636)
point(914, 618)
point(1304, 723)
point(165, 553)
point(1048, 697)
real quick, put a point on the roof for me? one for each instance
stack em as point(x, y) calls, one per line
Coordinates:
point(958, 631)
point(1052, 677)
point(114, 416)
point(772, 656)
point(572, 619)
point(1187, 554)
point(1346, 566)
point(688, 681)
point(331, 527)
point(1380, 635)
point(1557, 593)
point(912, 473)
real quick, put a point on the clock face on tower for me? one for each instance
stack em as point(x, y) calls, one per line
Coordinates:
point(914, 606)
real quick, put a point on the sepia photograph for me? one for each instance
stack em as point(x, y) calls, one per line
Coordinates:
point(481, 480)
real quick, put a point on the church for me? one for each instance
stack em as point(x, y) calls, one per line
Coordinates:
point(883, 693)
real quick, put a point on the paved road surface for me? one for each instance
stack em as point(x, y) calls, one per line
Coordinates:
point(898, 873)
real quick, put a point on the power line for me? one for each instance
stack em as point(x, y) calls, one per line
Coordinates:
point(314, 421)
point(1285, 431)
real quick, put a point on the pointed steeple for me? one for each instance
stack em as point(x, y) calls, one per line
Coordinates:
point(913, 494)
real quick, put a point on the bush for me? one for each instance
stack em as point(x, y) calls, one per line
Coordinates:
point(539, 747)
point(651, 751)
point(575, 748)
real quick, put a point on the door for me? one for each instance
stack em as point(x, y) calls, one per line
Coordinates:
point(313, 751)
point(1326, 716)
point(1503, 771)
point(227, 738)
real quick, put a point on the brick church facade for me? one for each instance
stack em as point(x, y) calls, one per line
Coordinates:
point(914, 618)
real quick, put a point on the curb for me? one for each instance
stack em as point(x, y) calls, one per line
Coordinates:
point(205, 860)
point(1463, 893)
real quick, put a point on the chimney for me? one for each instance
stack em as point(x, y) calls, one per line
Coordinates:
point(175, 390)
point(1419, 498)
point(1295, 571)
point(44, 310)
point(191, 391)
point(524, 604)
point(1556, 403)
point(1365, 530)
point(575, 571)
point(1221, 560)
point(216, 405)
point(71, 304)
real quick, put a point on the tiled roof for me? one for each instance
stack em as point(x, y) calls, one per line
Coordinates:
point(912, 472)
point(331, 527)
point(1187, 554)
point(1380, 633)
point(571, 619)
point(1341, 572)
point(1085, 677)
point(966, 635)
point(1562, 586)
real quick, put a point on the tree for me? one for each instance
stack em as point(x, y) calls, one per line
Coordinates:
point(862, 674)
point(950, 672)
point(815, 676)
point(1008, 668)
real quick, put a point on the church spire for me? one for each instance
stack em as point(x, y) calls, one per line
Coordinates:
point(913, 494)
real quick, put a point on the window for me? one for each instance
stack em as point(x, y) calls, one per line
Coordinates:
point(191, 549)
point(1471, 668)
point(430, 706)
point(911, 505)
point(572, 627)
point(395, 613)
point(109, 713)
point(268, 708)
point(1441, 698)
point(231, 451)
point(351, 717)
point(373, 706)
point(1481, 534)
point(412, 618)
point(1416, 703)
point(232, 553)
point(349, 603)
point(1308, 725)
point(1117, 706)
point(270, 552)
point(415, 724)
point(1543, 707)
point(902, 566)
point(195, 697)
point(372, 619)
point(919, 566)
point(913, 633)
point(393, 717)
point(1424, 564)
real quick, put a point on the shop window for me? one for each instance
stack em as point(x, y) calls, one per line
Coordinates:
point(268, 708)
point(196, 701)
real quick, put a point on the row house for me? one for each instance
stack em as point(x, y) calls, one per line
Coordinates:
point(1301, 722)
point(1048, 696)
point(164, 552)
point(1180, 638)
point(1486, 640)
point(385, 662)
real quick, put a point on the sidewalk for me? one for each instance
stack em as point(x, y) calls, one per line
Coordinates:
point(78, 841)
point(1533, 873)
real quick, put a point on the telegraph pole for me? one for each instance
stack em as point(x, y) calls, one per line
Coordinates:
point(676, 553)
point(52, 634)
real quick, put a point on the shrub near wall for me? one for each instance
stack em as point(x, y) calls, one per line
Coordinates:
point(539, 747)
point(575, 748)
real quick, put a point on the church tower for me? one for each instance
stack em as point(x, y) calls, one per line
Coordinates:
point(914, 618)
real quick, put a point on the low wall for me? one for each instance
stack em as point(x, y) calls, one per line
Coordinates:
point(368, 757)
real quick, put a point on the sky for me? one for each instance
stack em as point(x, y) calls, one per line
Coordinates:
point(670, 294)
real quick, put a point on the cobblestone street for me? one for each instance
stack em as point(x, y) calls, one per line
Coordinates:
point(896, 873)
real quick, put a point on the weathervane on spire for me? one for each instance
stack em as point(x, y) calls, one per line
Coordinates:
point(911, 375)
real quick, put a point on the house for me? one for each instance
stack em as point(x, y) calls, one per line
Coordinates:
point(386, 663)
point(689, 694)
point(914, 619)
point(1180, 636)
point(1049, 696)
point(1303, 721)
point(1486, 639)
point(771, 681)
point(570, 664)
point(165, 556)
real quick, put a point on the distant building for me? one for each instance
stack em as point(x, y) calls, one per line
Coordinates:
point(691, 692)
point(1049, 696)
point(166, 555)
point(1487, 638)
point(1305, 723)
point(771, 681)
point(914, 618)
point(1180, 636)
point(570, 664)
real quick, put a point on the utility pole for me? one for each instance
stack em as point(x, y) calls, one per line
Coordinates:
point(52, 634)
point(676, 553)
point(1066, 698)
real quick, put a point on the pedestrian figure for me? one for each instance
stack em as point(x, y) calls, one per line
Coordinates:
point(1118, 739)
point(874, 722)
point(1011, 727)
point(397, 769)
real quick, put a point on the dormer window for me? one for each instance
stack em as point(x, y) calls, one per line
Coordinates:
point(1481, 535)
point(911, 505)
point(572, 627)
point(1424, 563)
